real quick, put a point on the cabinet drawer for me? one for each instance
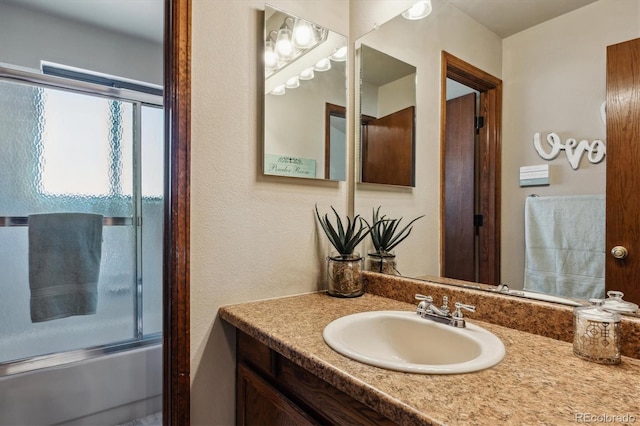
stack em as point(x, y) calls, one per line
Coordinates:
point(254, 353)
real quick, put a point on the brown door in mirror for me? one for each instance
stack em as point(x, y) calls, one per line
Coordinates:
point(623, 163)
point(387, 149)
point(459, 189)
point(487, 164)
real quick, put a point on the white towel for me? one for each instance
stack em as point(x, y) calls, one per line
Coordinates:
point(565, 245)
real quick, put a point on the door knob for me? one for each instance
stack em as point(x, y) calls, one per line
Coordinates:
point(619, 252)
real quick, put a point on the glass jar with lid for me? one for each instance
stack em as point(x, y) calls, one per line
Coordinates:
point(596, 333)
point(615, 303)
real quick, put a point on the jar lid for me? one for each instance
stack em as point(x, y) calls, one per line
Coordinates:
point(615, 303)
point(596, 312)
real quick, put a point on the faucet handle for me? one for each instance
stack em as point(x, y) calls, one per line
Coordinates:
point(425, 304)
point(459, 306)
point(425, 298)
point(457, 318)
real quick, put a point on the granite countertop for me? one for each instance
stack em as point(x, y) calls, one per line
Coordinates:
point(539, 381)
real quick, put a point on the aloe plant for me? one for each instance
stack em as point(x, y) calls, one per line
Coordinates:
point(344, 238)
point(385, 233)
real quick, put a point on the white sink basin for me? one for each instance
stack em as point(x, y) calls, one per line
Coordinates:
point(403, 341)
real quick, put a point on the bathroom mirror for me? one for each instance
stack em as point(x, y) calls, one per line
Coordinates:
point(387, 116)
point(553, 81)
point(304, 77)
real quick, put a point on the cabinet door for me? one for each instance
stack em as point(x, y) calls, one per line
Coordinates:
point(259, 403)
point(623, 165)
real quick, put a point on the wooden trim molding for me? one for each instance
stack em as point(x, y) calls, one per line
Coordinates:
point(177, 101)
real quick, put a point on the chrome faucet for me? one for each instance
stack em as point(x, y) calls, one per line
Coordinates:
point(426, 309)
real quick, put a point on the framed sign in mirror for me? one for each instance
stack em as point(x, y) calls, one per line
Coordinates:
point(304, 77)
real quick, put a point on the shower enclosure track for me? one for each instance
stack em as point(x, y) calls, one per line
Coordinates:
point(24, 221)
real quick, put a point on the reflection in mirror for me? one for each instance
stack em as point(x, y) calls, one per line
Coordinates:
point(305, 73)
point(335, 141)
point(387, 108)
point(554, 81)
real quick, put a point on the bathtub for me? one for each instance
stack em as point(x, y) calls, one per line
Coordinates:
point(103, 390)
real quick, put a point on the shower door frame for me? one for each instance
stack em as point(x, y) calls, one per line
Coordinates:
point(137, 100)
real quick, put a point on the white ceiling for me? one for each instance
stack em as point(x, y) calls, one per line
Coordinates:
point(507, 17)
point(144, 18)
point(139, 18)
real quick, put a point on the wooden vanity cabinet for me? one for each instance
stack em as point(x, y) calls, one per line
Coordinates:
point(272, 390)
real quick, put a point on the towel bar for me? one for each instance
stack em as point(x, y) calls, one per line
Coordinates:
point(24, 221)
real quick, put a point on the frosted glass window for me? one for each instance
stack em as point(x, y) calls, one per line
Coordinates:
point(75, 158)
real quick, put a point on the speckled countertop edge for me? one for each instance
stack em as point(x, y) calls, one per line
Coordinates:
point(535, 369)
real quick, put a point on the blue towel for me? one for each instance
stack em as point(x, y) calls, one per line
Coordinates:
point(64, 264)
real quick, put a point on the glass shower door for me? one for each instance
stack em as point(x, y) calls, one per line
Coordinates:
point(65, 151)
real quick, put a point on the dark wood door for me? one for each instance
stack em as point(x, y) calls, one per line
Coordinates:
point(459, 189)
point(388, 149)
point(623, 168)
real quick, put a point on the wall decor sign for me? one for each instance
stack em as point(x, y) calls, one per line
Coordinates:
point(289, 166)
point(596, 150)
point(534, 175)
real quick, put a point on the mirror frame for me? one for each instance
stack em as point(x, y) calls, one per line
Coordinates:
point(177, 100)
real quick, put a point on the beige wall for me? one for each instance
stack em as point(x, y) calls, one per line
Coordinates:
point(554, 77)
point(252, 237)
point(255, 237)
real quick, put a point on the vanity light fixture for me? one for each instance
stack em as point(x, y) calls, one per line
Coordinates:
point(322, 65)
point(307, 74)
point(340, 55)
point(294, 38)
point(420, 10)
point(292, 83)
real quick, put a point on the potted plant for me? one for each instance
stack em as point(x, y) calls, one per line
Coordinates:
point(344, 265)
point(386, 235)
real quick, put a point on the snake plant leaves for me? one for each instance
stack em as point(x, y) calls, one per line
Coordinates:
point(385, 234)
point(344, 238)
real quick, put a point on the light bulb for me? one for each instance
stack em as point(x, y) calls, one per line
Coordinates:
point(322, 65)
point(270, 57)
point(303, 35)
point(292, 83)
point(339, 55)
point(420, 10)
point(284, 46)
point(278, 91)
point(307, 74)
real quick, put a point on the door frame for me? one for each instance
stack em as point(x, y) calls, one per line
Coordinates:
point(490, 89)
point(336, 111)
point(177, 100)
